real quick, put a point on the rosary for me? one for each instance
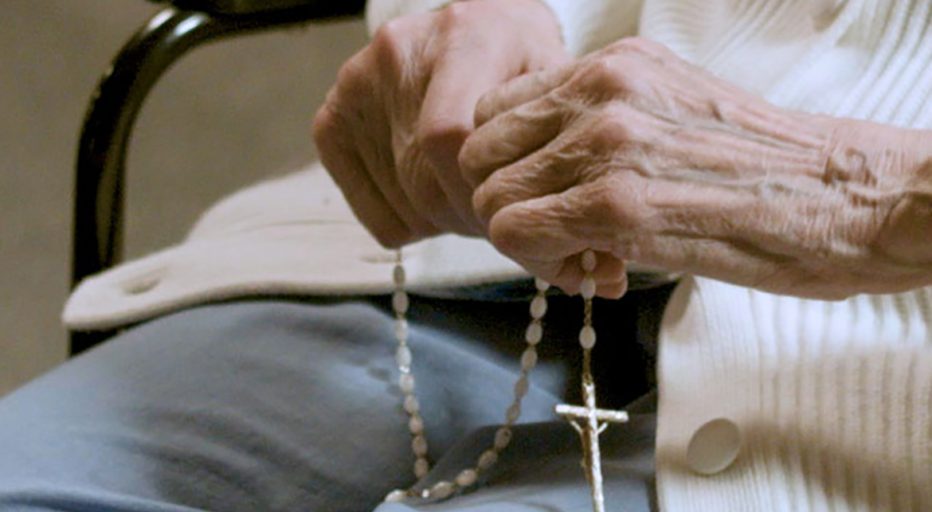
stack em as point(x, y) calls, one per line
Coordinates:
point(587, 420)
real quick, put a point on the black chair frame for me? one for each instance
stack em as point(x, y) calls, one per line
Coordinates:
point(97, 242)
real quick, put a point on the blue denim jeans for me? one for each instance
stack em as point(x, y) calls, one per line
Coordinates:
point(292, 405)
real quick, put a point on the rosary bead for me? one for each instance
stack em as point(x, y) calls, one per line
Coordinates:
point(396, 496)
point(587, 288)
point(534, 333)
point(419, 445)
point(538, 307)
point(406, 383)
point(441, 490)
point(487, 459)
point(403, 357)
point(400, 302)
point(502, 438)
point(411, 405)
point(529, 359)
point(401, 329)
point(587, 337)
point(588, 261)
point(521, 387)
point(513, 412)
point(398, 274)
point(466, 477)
point(421, 467)
point(416, 425)
point(541, 285)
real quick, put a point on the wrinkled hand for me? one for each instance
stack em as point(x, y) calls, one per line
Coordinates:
point(392, 126)
point(643, 157)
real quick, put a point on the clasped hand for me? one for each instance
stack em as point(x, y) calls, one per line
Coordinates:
point(473, 120)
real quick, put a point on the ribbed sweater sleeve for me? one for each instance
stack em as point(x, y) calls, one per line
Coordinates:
point(586, 24)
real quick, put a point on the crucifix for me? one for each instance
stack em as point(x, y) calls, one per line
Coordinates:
point(589, 421)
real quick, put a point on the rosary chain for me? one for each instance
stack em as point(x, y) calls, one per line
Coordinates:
point(403, 358)
point(587, 333)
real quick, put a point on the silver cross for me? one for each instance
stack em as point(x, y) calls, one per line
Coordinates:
point(589, 422)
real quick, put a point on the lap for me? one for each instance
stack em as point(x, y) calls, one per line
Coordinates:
point(267, 406)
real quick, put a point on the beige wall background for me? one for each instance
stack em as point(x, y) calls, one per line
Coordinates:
point(225, 116)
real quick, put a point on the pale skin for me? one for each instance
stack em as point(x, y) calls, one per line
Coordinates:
point(639, 155)
point(391, 127)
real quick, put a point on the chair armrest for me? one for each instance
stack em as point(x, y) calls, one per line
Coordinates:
point(254, 7)
point(105, 135)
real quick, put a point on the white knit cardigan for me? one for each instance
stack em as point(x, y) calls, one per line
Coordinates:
point(833, 399)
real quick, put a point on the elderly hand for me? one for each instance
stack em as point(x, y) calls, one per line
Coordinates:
point(641, 156)
point(392, 126)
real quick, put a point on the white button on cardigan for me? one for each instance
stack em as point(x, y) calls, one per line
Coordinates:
point(714, 446)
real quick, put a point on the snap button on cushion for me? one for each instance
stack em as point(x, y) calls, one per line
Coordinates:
point(143, 283)
point(714, 446)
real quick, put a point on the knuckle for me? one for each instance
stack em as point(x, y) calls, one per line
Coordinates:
point(640, 45)
point(388, 42)
point(605, 78)
point(613, 203)
point(458, 13)
point(326, 127)
point(352, 72)
point(389, 34)
point(599, 73)
point(611, 132)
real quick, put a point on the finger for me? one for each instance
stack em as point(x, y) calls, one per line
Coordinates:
point(609, 273)
point(547, 236)
point(365, 199)
point(379, 163)
point(613, 290)
point(510, 137)
point(548, 171)
point(550, 228)
point(424, 191)
point(520, 90)
point(353, 161)
point(446, 119)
